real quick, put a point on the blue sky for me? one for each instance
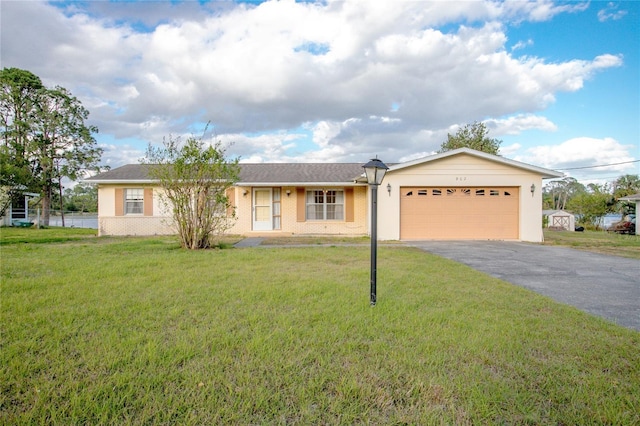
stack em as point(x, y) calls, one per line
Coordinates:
point(557, 82)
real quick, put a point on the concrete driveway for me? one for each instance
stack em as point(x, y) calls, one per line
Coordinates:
point(603, 285)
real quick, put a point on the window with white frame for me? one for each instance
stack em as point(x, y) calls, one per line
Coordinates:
point(134, 201)
point(325, 204)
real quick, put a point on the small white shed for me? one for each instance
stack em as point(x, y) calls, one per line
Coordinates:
point(17, 213)
point(632, 198)
point(561, 220)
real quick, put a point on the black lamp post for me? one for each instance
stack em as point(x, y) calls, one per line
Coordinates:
point(375, 171)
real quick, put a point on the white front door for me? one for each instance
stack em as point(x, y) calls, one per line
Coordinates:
point(262, 215)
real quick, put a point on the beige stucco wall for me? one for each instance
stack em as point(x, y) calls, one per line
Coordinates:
point(159, 224)
point(461, 170)
point(110, 224)
point(289, 222)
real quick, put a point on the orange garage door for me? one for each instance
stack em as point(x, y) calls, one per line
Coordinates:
point(459, 213)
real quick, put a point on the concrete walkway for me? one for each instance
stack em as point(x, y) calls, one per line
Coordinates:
point(249, 242)
point(603, 285)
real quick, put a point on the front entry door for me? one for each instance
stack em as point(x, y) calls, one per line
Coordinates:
point(262, 216)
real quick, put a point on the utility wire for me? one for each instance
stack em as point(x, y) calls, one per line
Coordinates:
point(601, 165)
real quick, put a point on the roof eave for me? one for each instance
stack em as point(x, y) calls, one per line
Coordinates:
point(121, 181)
point(270, 184)
point(349, 183)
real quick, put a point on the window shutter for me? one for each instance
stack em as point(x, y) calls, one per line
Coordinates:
point(119, 202)
point(301, 206)
point(348, 205)
point(148, 202)
point(231, 196)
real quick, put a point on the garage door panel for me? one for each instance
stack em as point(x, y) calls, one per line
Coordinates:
point(459, 213)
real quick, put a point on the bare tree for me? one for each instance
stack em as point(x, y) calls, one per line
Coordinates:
point(194, 178)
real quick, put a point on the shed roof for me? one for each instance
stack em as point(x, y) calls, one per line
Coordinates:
point(634, 197)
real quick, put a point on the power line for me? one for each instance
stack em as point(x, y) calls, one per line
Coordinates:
point(588, 178)
point(600, 165)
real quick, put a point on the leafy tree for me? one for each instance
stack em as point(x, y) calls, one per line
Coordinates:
point(623, 186)
point(194, 177)
point(63, 145)
point(45, 136)
point(18, 91)
point(81, 197)
point(556, 194)
point(474, 136)
point(592, 205)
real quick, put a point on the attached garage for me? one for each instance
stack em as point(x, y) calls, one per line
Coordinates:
point(459, 213)
point(462, 195)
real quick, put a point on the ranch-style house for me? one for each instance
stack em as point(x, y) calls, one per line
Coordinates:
point(456, 195)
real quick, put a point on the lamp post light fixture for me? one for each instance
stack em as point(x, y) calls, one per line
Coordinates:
point(375, 171)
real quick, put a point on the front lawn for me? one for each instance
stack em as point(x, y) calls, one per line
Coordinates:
point(139, 331)
point(596, 241)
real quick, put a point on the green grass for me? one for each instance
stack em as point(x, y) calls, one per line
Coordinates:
point(139, 331)
point(315, 240)
point(45, 235)
point(596, 241)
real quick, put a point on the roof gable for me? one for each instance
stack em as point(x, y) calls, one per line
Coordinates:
point(545, 173)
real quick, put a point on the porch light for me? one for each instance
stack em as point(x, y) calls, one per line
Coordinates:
point(533, 188)
point(389, 189)
point(375, 171)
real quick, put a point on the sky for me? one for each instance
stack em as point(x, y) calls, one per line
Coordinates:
point(345, 81)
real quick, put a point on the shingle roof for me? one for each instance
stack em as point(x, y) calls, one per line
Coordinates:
point(259, 173)
point(299, 172)
point(129, 172)
point(311, 173)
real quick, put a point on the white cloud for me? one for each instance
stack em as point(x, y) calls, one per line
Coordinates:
point(364, 77)
point(272, 147)
point(575, 155)
point(522, 44)
point(611, 12)
point(510, 151)
point(519, 123)
point(544, 10)
point(117, 155)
